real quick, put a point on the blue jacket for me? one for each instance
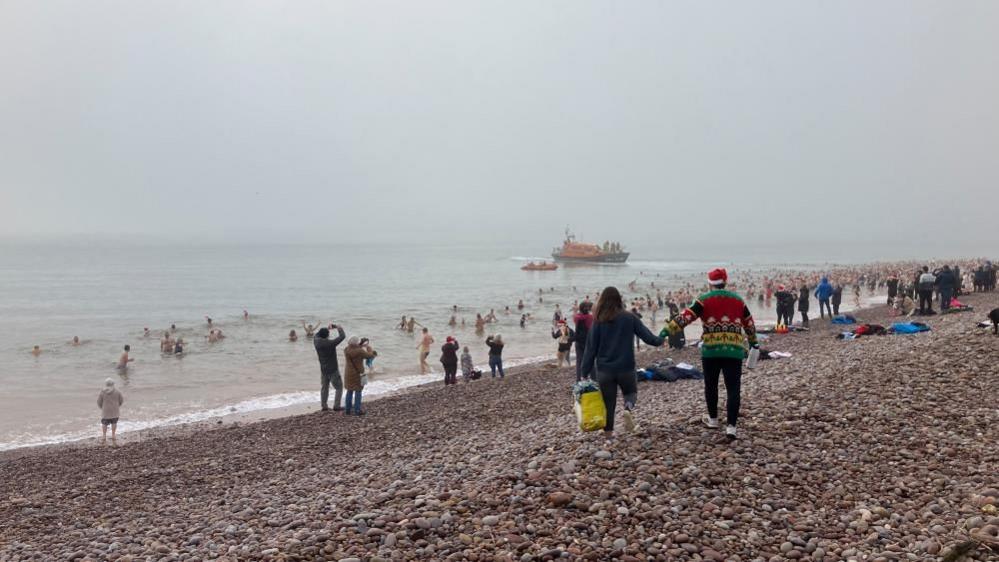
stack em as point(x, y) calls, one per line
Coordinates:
point(824, 290)
point(610, 346)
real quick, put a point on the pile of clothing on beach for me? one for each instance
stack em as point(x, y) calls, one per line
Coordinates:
point(665, 370)
point(908, 328)
point(773, 330)
point(957, 306)
point(844, 319)
point(863, 330)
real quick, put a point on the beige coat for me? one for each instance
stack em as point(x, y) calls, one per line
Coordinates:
point(109, 401)
point(355, 356)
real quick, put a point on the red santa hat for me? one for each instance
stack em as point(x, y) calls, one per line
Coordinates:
point(717, 277)
point(450, 339)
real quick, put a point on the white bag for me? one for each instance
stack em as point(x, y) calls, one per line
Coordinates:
point(754, 357)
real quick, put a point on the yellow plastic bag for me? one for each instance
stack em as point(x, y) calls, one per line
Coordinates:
point(590, 411)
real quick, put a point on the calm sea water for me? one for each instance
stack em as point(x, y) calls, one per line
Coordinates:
point(107, 293)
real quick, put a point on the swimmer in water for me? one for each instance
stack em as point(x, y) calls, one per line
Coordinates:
point(212, 338)
point(76, 341)
point(209, 320)
point(124, 360)
point(178, 348)
point(166, 344)
point(402, 324)
point(523, 320)
point(246, 315)
point(453, 321)
point(520, 304)
point(309, 328)
point(173, 328)
point(146, 333)
point(36, 351)
point(292, 336)
point(411, 324)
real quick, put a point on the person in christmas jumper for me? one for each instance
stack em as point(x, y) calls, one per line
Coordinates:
point(727, 323)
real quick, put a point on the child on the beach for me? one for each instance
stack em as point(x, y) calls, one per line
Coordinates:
point(109, 401)
point(467, 367)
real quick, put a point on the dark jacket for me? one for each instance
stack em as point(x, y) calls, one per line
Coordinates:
point(583, 324)
point(803, 297)
point(785, 300)
point(326, 349)
point(610, 346)
point(495, 349)
point(837, 296)
point(449, 353)
point(945, 280)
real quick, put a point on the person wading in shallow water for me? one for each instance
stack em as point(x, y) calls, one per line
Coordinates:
point(425, 342)
point(329, 367)
point(727, 323)
point(611, 354)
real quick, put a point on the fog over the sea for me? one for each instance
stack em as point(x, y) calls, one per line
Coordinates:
point(684, 122)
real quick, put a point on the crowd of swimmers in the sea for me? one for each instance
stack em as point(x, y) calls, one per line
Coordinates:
point(579, 328)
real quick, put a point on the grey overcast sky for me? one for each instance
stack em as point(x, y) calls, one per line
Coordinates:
point(373, 120)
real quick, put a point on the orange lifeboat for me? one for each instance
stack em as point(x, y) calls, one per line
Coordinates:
point(543, 266)
point(582, 252)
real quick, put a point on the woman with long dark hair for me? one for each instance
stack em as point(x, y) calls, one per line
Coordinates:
point(609, 352)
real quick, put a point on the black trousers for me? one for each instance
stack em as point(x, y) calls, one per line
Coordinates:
point(331, 379)
point(731, 369)
point(825, 306)
point(609, 382)
point(804, 317)
point(580, 350)
point(450, 373)
point(925, 300)
point(835, 305)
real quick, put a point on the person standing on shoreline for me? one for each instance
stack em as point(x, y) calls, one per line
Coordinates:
point(467, 366)
point(425, 342)
point(946, 284)
point(449, 359)
point(495, 344)
point(837, 298)
point(584, 321)
point(927, 281)
point(824, 292)
point(785, 306)
point(329, 367)
point(803, 304)
point(611, 354)
point(109, 401)
point(354, 378)
point(727, 325)
point(564, 335)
